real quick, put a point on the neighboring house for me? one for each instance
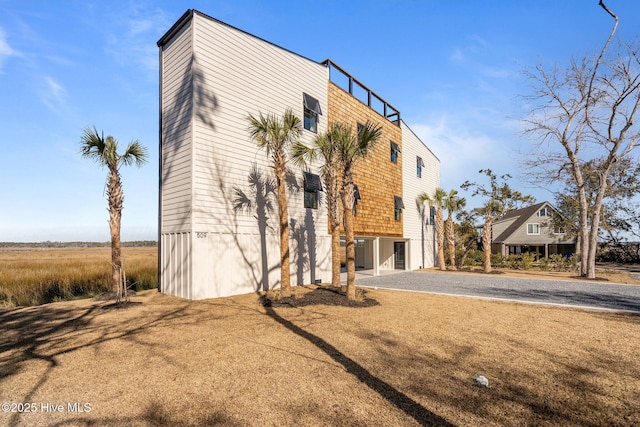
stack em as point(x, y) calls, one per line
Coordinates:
point(218, 221)
point(531, 230)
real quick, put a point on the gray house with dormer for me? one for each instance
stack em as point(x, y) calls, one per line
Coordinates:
point(531, 230)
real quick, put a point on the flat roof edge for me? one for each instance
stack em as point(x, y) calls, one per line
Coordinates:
point(188, 16)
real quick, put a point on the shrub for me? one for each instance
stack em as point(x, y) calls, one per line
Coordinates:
point(526, 260)
point(545, 264)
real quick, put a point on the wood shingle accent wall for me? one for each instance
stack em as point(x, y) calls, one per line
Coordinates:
point(377, 177)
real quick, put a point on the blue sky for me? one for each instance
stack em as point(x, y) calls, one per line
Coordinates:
point(453, 69)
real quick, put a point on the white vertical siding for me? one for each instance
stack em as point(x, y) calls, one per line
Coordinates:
point(420, 236)
point(176, 264)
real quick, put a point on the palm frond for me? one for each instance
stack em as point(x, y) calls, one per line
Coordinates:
point(135, 153)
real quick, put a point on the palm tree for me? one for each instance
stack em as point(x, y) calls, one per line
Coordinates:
point(436, 201)
point(351, 148)
point(276, 135)
point(105, 152)
point(453, 204)
point(324, 148)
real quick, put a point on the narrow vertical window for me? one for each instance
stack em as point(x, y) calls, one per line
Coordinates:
point(356, 197)
point(395, 150)
point(311, 111)
point(419, 166)
point(398, 205)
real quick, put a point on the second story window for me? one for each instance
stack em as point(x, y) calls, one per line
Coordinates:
point(533, 229)
point(311, 112)
point(395, 150)
point(419, 166)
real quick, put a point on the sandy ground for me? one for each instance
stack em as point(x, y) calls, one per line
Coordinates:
point(405, 359)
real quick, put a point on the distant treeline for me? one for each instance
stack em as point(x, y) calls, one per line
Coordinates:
point(48, 244)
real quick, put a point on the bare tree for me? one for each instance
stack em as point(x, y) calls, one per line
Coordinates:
point(581, 113)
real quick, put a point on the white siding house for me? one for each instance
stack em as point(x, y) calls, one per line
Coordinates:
point(218, 220)
point(218, 213)
point(418, 231)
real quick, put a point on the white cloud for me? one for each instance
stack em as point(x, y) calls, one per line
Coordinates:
point(5, 50)
point(132, 40)
point(53, 94)
point(457, 55)
point(463, 152)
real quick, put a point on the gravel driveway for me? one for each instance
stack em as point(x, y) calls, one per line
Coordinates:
point(583, 294)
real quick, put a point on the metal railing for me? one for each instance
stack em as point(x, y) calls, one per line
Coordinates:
point(366, 96)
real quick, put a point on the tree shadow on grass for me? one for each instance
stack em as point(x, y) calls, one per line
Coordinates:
point(392, 395)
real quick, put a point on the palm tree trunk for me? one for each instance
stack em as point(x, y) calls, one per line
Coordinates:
point(452, 242)
point(347, 204)
point(115, 195)
point(486, 244)
point(283, 214)
point(440, 238)
point(334, 223)
point(335, 257)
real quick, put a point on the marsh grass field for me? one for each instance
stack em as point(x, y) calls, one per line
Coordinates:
point(39, 276)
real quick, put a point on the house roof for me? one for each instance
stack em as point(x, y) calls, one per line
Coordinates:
point(521, 215)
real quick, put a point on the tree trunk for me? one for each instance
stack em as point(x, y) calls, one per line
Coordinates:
point(440, 238)
point(283, 214)
point(335, 257)
point(347, 212)
point(333, 207)
point(486, 244)
point(115, 196)
point(452, 242)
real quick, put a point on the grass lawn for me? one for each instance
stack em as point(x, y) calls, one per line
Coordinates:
point(408, 360)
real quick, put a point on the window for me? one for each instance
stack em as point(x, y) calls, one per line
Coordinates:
point(312, 185)
point(397, 208)
point(395, 150)
point(420, 165)
point(356, 197)
point(311, 112)
point(558, 229)
point(544, 212)
point(533, 229)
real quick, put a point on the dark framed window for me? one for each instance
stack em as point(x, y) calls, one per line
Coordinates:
point(311, 199)
point(398, 205)
point(311, 112)
point(395, 150)
point(312, 185)
point(419, 166)
point(356, 197)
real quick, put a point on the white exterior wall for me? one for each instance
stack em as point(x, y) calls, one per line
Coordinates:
point(420, 236)
point(236, 251)
point(176, 147)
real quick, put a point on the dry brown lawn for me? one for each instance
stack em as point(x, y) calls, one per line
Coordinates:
point(408, 360)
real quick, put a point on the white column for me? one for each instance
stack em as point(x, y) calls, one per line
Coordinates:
point(376, 256)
